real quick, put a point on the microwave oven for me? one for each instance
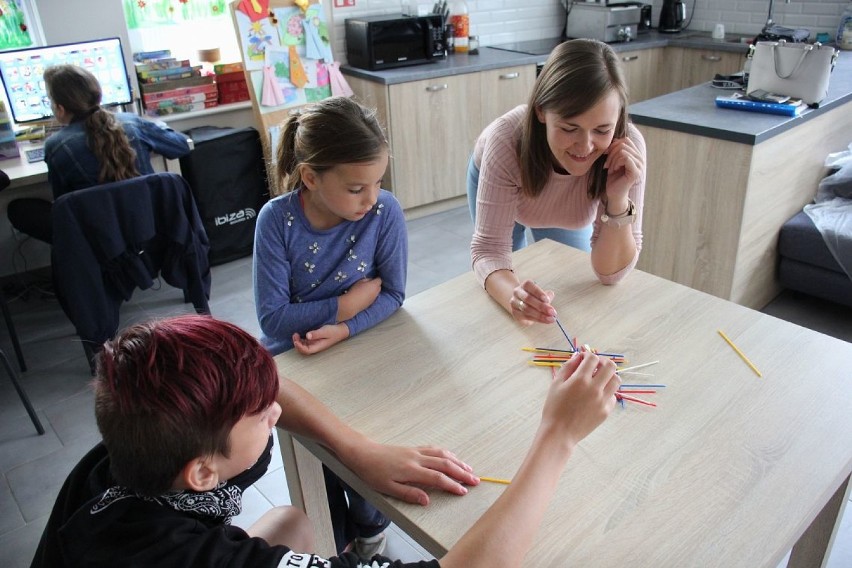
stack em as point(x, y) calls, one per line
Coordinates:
point(387, 41)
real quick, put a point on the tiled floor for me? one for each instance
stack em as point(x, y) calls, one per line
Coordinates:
point(34, 467)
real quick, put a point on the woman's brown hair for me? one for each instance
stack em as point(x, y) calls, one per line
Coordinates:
point(326, 134)
point(578, 74)
point(79, 93)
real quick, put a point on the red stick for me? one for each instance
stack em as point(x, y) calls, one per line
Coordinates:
point(631, 399)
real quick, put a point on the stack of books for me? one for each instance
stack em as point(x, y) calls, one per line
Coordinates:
point(741, 101)
point(171, 85)
point(231, 81)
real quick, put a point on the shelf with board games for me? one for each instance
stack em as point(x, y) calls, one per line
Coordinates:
point(170, 85)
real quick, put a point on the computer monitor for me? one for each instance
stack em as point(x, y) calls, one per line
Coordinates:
point(22, 73)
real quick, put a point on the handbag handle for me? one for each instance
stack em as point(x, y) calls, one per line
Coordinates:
point(805, 50)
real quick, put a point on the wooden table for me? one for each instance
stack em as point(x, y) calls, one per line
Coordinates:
point(729, 469)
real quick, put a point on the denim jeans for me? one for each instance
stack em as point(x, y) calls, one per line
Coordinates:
point(577, 238)
point(352, 516)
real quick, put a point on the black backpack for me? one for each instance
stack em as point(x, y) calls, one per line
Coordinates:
point(228, 178)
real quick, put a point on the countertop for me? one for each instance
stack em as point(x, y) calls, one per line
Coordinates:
point(491, 58)
point(694, 111)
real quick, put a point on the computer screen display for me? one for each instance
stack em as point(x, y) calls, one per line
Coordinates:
point(22, 72)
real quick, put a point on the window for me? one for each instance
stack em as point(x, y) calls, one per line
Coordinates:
point(182, 26)
point(19, 25)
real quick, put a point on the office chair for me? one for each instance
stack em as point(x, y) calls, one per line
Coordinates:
point(13, 335)
point(110, 239)
point(10, 371)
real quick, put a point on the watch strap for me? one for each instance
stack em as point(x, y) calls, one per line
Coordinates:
point(626, 218)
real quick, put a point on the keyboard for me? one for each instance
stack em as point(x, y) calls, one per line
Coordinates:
point(34, 154)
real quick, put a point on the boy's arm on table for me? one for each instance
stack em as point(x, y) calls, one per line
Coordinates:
point(393, 470)
point(581, 396)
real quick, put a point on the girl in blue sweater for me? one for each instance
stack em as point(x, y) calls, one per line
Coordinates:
point(330, 255)
point(330, 259)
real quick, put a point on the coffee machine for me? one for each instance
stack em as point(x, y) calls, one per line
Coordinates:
point(672, 17)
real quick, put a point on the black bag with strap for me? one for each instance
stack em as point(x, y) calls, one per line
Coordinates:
point(228, 178)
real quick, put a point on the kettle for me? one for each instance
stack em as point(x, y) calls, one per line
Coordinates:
point(672, 16)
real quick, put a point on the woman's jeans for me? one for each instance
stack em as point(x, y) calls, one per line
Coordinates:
point(577, 238)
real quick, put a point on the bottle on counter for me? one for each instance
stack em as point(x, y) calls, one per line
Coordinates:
point(460, 19)
point(844, 30)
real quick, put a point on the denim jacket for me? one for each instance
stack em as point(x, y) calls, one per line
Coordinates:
point(71, 165)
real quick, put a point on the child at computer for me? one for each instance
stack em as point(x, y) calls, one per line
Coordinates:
point(185, 407)
point(94, 146)
point(331, 254)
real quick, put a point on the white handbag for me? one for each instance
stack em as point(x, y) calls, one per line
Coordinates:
point(799, 70)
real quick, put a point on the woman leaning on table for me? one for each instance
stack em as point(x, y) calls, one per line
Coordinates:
point(567, 159)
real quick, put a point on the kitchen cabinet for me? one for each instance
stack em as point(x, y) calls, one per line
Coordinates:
point(695, 66)
point(641, 70)
point(432, 125)
point(504, 89)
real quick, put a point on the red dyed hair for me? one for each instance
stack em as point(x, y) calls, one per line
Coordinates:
point(169, 391)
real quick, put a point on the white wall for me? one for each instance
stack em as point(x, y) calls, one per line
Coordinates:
point(746, 17)
point(65, 21)
point(504, 21)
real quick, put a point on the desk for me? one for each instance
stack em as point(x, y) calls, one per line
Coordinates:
point(729, 470)
point(23, 173)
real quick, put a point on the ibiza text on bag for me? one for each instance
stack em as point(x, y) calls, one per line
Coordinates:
point(799, 70)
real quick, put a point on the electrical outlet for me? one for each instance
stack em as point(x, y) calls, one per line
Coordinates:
point(344, 3)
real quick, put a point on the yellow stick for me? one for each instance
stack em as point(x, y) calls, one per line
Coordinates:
point(544, 364)
point(496, 480)
point(740, 353)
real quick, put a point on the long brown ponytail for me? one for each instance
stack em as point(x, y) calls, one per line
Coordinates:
point(79, 93)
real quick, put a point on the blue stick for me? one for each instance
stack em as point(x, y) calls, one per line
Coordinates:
point(565, 333)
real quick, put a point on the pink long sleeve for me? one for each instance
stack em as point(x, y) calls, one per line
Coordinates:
point(563, 203)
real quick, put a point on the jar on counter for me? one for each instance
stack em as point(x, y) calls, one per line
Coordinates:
point(473, 45)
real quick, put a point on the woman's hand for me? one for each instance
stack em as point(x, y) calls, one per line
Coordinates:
point(625, 167)
point(403, 472)
point(530, 304)
point(320, 339)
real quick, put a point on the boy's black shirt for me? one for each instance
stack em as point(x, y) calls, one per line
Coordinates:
point(94, 523)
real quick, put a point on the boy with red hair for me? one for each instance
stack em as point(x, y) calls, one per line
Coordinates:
point(186, 407)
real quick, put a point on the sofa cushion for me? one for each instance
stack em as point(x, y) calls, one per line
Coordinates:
point(815, 281)
point(800, 240)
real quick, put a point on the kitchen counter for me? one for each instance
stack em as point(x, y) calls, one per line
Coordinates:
point(492, 58)
point(721, 183)
point(693, 111)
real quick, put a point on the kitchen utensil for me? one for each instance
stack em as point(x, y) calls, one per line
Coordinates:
point(672, 16)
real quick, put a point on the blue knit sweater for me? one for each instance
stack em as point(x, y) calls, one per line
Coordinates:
point(299, 272)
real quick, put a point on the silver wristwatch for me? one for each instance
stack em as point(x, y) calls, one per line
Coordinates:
point(626, 218)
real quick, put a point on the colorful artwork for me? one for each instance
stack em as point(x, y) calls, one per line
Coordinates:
point(290, 26)
point(152, 13)
point(256, 38)
point(14, 31)
point(294, 68)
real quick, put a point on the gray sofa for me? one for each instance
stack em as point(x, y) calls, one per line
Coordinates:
point(807, 265)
